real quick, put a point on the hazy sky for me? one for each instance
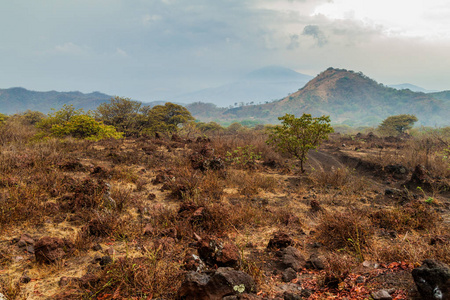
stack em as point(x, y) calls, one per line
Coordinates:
point(154, 49)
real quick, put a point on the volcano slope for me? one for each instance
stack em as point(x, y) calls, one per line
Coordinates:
point(142, 218)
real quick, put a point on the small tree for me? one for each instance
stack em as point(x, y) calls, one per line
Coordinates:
point(296, 136)
point(123, 113)
point(395, 125)
point(166, 118)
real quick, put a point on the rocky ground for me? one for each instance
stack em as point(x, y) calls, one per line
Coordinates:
point(180, 219)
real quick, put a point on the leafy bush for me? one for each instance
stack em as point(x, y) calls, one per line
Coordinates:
point(75, 123)
point(244, 156)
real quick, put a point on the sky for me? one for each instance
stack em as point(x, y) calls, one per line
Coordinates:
point(155, 49)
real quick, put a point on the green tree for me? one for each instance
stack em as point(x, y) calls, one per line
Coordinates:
point(395, 125)
point(166, 118)
point(123, 113)
point(296, 136)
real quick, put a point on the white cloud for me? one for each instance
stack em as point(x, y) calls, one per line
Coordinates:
point(121, 52)
point(70, 48)
point(148, 19)
point(400, 18)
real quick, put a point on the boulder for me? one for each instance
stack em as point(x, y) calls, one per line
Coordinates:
point(280, 240)
point(292, 258)
point(432, 279)
point(315, 262)
point(223, 282)
point(51, 249)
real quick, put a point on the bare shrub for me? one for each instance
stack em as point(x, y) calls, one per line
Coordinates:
point(349, 230)
point(154, 275)
point(339, 178)
point(415, 215)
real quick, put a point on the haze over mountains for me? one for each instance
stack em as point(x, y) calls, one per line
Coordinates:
point(412, 87)
point(347, 96)
point(14, 100)
point(265, 84)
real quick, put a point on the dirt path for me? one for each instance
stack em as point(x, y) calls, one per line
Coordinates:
point(323, 161)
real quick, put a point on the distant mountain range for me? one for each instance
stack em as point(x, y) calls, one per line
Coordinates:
point(18, 99)
point(347, 97)
point(266, 84)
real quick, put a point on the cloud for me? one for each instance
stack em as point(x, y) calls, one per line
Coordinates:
point(70, 48)
point(149, 19)
point(121, 52)
point(184, 45)
point(316, 33)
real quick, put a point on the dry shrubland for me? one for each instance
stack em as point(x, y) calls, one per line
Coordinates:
point(144, 202)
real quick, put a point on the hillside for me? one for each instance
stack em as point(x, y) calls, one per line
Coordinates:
point(14, 100)
point(259, 86)
point(444, 95)
point(350, 98)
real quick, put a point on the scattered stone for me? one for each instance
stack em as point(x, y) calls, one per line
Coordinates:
point(88, 281)
point(21, 244)
point(360, 279)
point(398, 171)
point(292, 258)
point(97, 247)
point(280, 240)
point(292, 296)
point(315, 262)
point(315, 206)
point(215, 252)
point(440, 239)
point(50, 249)
point(381, 295)
point(105, 260)
point(224, 282)
point(30, 249)
point(148, 230)
point(25, 279)
point(193, 262)
point(393, 192)
point(63, 281)
point(97, 259)
point(288, 275)
point(18, 258)
point(370, 264)
point(432, 279)
point(110, 251)
point(228, 256)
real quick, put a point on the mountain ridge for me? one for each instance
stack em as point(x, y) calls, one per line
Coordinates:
point(351, 98)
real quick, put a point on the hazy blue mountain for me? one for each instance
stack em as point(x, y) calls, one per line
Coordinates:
point(14, 100)
point(266, 84)
point(412, 87)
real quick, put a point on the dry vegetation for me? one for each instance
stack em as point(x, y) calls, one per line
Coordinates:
point(132, 210)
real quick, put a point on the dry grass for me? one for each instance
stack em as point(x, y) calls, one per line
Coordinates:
point(62, 188)
point(350, 230)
